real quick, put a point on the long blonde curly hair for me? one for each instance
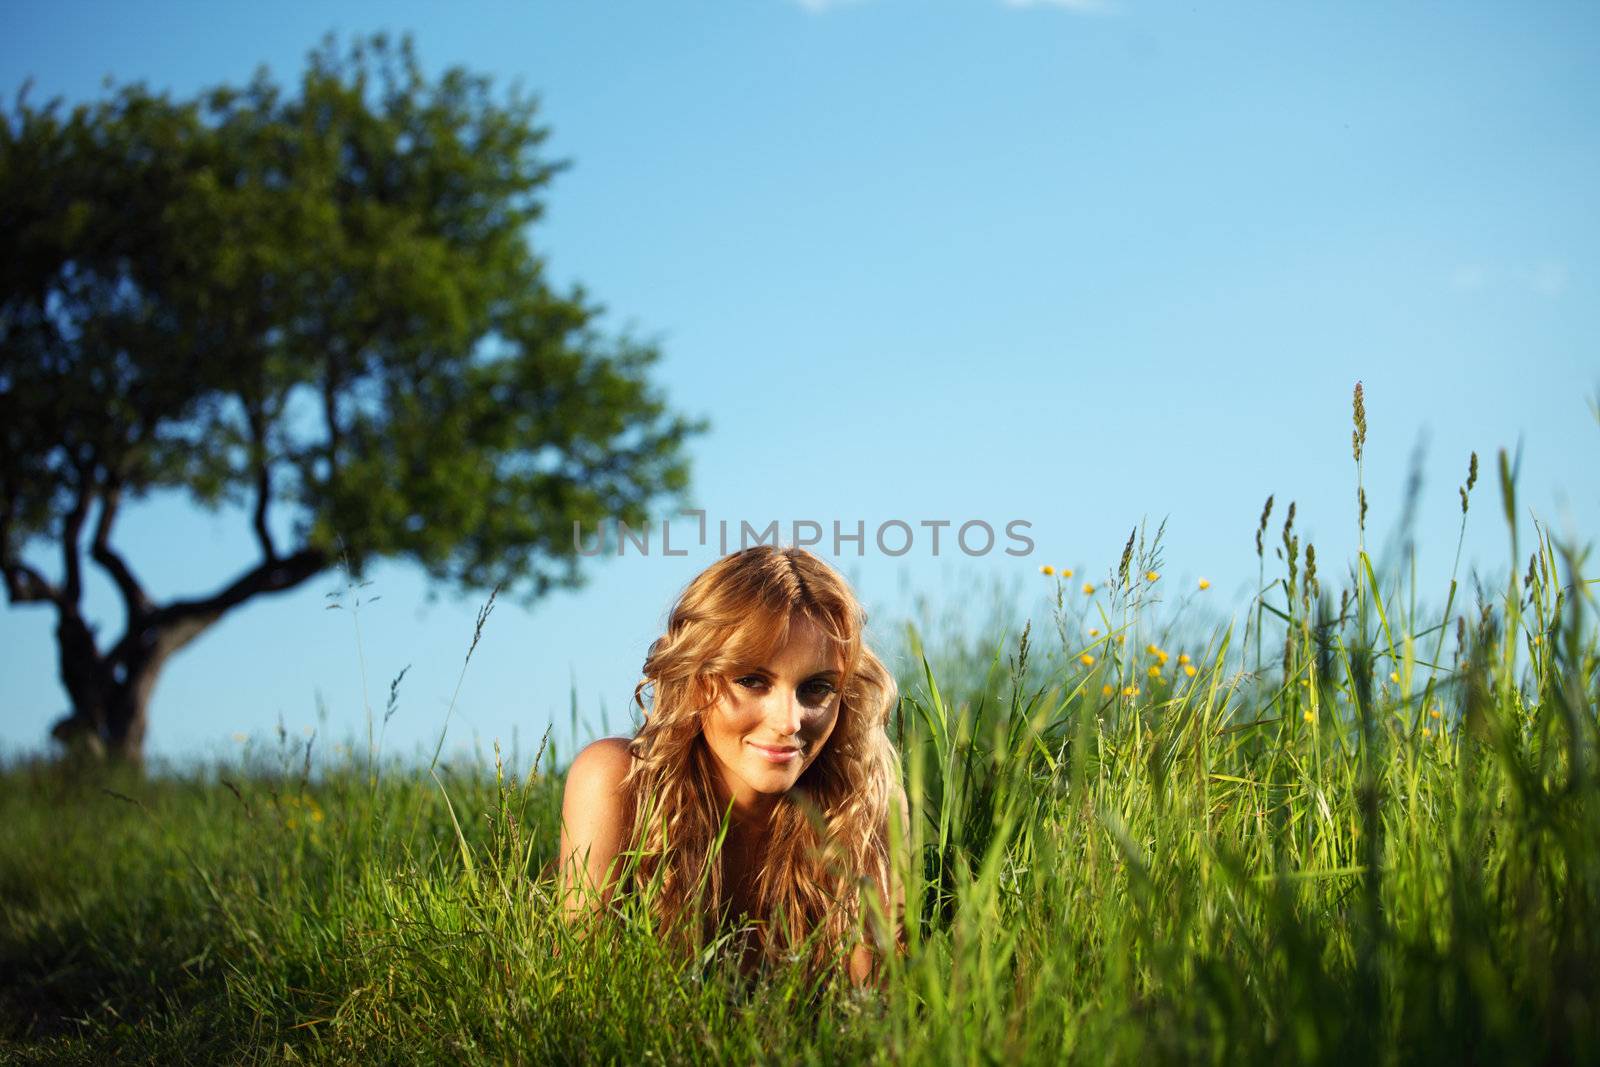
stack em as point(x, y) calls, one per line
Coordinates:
point(826, 838)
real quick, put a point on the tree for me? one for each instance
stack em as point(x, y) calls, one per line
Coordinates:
point(322, 308)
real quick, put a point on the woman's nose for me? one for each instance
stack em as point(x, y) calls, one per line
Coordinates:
point(786, 711)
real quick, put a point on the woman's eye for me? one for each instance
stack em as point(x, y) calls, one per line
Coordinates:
point(820, 691)
point(812, 692)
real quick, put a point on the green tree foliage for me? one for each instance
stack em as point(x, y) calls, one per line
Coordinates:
point(322, 304)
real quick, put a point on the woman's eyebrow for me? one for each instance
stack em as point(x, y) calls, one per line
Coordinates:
point(815, 672)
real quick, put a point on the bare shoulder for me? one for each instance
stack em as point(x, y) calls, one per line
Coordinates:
point(592, 813)
point(593, 788)
point(602, 762)
point(900, 807)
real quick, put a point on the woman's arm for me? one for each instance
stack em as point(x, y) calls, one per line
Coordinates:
point(592, 829)
point(864, 962)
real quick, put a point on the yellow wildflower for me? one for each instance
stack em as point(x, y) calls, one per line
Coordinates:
point(1151, 576)
point(1087, 660)
point(1122, 639)
point(1131, 691)
point(1310, 716)
point(1183, 657)
point(1066, 572)
point(1152, 649)
point(1394, 676)
point(1107, 689)
point(1426, 733)
point(1188, 669)
point(1433, 713)
point(1047, 569)
point(1088, 589)
point(1154, 671)
point(1205, 583)
point(1094, 633)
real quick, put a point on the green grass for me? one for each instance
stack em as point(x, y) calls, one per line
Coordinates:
point(1283, 858)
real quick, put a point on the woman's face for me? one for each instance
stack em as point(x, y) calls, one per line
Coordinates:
point(775, 717)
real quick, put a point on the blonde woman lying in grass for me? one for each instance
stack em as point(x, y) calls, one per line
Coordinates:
point(767, 716)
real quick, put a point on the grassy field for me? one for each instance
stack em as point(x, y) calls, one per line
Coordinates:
point(1354, 831)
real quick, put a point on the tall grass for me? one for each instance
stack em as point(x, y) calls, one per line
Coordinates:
point(1357, 832)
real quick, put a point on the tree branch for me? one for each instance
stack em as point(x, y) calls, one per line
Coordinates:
point(330, 413)
point(263, 494)
point(171, 626)
point(263, 483)
point(26, 585)
point(71, 531)
point(133, 594)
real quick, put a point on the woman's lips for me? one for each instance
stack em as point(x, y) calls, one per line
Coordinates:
point(776, 755)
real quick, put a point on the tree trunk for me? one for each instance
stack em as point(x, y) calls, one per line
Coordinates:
point(111, 691)
point(110, 703)
point(88, 681)
point(113, 732)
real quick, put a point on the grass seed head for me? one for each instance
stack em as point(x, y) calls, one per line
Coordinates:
point(1266, 513)
point(1358, 436)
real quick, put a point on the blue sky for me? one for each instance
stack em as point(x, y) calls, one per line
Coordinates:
point(1077, 264)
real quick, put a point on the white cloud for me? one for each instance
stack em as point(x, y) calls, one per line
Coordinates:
point(1081, 7)
point(1548, 278)
point(820, 7)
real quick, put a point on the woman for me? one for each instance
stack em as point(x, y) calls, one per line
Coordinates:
point(768, 712)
